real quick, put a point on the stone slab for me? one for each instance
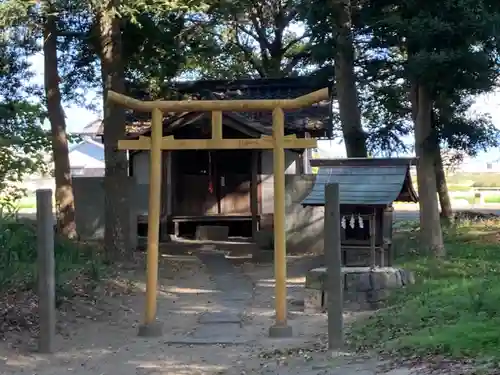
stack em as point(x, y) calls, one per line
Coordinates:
point(216, 331)
point(236, 298)
point(212, 233)
point(229, 341)
point(220, 317)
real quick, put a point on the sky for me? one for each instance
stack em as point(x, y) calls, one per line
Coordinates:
point(77, 118)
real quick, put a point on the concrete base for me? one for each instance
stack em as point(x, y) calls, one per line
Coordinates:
point(364, 288)
point(154, 329)
point(280, 331)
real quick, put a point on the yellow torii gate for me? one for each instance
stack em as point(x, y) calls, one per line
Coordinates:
point(278, 142)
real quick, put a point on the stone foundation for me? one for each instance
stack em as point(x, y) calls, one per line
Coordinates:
point(212, 233)
point(364, 288)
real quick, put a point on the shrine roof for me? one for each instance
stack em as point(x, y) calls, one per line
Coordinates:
point(364, 181)
point(314, 119)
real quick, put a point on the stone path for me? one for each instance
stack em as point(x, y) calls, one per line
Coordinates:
point(225, 325)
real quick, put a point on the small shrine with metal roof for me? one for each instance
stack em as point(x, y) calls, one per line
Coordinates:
point(368, 187)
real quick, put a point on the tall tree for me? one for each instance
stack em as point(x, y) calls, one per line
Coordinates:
point(345, 78)
point(261, 38)
point(65, 206)
point(334, 40)
point(445, 48)
point(117, 223)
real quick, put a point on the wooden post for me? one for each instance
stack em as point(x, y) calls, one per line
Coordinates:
point(373, 253)
point(254, 196)
point(46, 270)
point(387, 233)
point(299, 163)
point(280, 328)
point(333, 257)
point(168, 184)
point(151, 327)
point(216, 125)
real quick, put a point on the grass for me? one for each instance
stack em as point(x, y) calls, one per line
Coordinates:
point(27, 202)
point(474, 179)
point(491, 198)
point(453, 310)
point(459, 188)
point(18, 259)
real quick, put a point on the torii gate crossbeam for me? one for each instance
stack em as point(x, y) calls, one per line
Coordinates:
point(278, 142)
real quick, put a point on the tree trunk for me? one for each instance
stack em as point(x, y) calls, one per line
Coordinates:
point(65, 204)
point(345, 78)
point(117, 221)
point(430, 225)
point(442, 188)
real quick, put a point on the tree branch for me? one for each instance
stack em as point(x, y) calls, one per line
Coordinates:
point(295, 41)
point(248, 52)
point(295, 60)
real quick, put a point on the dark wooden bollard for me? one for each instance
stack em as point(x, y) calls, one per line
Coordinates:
point(333, 260)
point(46, 270)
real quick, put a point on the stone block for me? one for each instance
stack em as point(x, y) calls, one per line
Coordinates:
point(364, 287)
point(313, 301)
point(385, 278)
point(212, 233)
point(364, 282)
point(316, 278)
point(407, 277)
point(264, 239)
point(377, 295)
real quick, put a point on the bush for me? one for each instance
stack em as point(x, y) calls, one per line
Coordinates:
point(452, 310)
point(18, 257)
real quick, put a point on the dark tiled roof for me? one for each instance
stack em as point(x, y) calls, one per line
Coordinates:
point(370, 183)
point(313, 118)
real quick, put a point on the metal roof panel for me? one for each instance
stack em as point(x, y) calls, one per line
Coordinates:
point(361, 185)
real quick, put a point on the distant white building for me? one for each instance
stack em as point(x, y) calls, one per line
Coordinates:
point(470, 165)
point(86, 159)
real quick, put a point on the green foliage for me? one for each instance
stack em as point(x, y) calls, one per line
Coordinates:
point(452, 310)
point(22, 140)
point(451, 47)
point(18, 258)
point(460, 130)
point(253, 39)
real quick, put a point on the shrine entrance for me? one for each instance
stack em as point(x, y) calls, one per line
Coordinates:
point(278, 142)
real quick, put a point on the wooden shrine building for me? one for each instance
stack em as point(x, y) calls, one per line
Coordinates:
point(233, 188)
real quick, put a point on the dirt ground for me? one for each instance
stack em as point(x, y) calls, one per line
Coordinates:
point(99, 335)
